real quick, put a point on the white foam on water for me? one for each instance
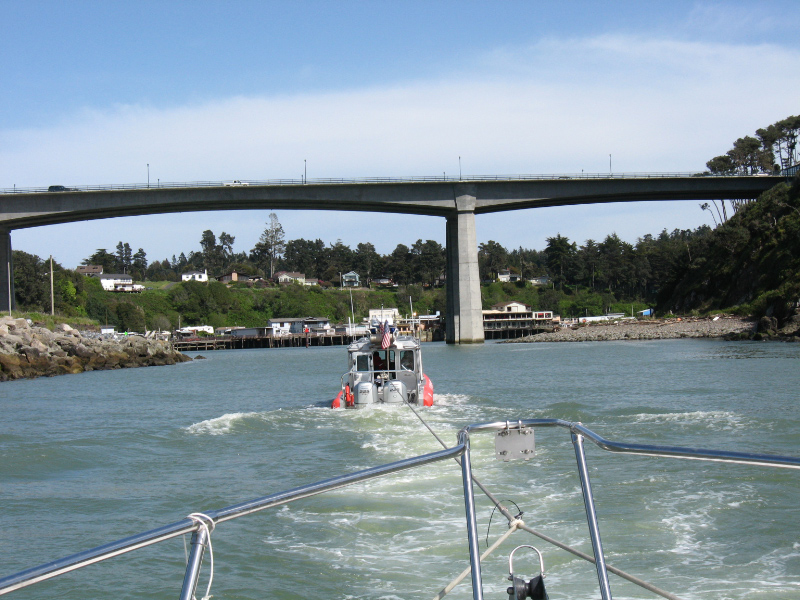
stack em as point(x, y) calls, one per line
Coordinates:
point(450, 399)
point(718, 420)
point(221, 425)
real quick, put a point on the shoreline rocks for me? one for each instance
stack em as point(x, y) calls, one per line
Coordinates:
point(721, 327)
point(27, 351)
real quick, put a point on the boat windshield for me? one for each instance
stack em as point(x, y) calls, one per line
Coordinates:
point(379, 358)
point(407, 360)
point(362, 362)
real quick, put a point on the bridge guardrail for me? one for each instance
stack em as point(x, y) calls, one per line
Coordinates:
point(363, 180)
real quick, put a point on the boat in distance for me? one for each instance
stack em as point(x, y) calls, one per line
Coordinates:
point(384, 367)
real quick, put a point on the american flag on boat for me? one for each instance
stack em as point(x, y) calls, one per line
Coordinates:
point(386, 341)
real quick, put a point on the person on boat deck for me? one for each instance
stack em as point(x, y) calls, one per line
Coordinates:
point(378, 361)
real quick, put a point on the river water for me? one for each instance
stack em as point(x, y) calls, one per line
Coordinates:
point(86, 459)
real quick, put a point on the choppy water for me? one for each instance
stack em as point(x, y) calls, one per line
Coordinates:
point(90, 458)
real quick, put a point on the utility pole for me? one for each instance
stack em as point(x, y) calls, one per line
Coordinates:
point(52, 297)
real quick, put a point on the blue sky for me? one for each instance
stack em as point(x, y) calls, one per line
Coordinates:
point(208, 91)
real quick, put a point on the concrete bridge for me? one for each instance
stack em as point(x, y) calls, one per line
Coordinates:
point(458, 201)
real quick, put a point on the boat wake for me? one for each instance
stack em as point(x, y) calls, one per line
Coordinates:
point(718, 420)
point(222, 425)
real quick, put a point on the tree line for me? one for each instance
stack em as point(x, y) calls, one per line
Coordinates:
point(423, 262)
point(772, 149)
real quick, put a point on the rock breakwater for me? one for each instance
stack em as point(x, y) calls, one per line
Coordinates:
point(720, 327)
point(27, 351)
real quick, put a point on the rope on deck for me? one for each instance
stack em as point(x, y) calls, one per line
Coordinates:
point(513, 526)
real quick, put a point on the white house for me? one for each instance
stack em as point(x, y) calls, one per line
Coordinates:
point(544, 280)
point(195, 276)
point(290, 277)
point(505, 276)
point(112, 282)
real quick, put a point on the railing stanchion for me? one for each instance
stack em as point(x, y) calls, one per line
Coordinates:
point(591, 517)
point(198, 544)
point(472, 524)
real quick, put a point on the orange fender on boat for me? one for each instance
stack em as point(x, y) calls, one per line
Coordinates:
point(345, 395)
point(427, 391)
point(349, 401)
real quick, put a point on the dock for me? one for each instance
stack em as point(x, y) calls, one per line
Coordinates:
point(511, 320)
point(292, 340)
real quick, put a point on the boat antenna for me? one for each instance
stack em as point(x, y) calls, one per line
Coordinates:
point(413, 326)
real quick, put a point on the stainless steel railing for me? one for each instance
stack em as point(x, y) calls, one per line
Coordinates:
point(578, 433)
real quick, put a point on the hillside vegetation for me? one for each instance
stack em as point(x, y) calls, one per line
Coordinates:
point(750, 264)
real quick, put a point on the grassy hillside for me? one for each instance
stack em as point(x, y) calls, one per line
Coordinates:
point(215, 304)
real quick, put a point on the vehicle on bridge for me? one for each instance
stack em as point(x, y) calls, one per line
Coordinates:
point(235, 183)
point(60, 188)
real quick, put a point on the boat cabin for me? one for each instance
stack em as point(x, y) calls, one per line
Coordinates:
point(391, 374)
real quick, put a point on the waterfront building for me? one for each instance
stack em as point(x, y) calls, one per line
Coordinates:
point(514, 319)
point(286, 326)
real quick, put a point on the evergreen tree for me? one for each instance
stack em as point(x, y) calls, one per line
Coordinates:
point(560, 258)
point(102, 258)
point(270, 245)
point(398, 265)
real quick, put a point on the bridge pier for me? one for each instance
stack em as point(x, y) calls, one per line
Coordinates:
point(6, 272)
point(464, 323)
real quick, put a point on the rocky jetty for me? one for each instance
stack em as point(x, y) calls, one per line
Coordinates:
point(661, 329)
point(28, 351)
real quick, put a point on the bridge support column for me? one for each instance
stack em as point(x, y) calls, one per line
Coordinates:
point(6, 272)
point(464, 317)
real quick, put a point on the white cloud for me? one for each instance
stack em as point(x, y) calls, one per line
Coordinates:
point(558, 106)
